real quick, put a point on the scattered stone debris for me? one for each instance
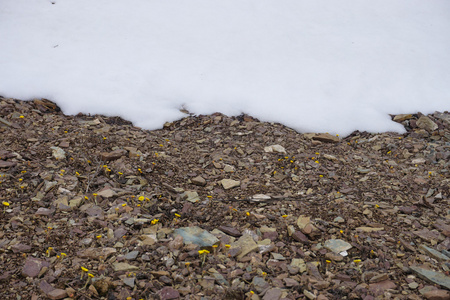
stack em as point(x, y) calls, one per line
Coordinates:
point(218, 207)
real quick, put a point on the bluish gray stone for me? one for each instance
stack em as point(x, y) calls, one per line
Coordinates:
point(433, 276)
point(196, 235)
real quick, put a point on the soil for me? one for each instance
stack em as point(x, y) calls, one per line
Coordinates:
point(281, 214)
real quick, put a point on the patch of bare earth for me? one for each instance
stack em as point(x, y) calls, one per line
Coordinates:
point(218, 207)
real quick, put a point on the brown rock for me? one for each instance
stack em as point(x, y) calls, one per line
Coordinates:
point(57, 294)
point(230, 231)
point(437, 295)
point(379, 287)
point(114, 155)
point(199, 180)
point(168, 293)
point(7, 164)
point(326, 137)
point(33, 266)
point(300, 237)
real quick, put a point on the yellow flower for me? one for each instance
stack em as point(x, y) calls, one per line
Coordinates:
point(141, 198)
point(357, 261)
point(76, 173)
point(284, 216)
point(227, 246)
point(124, 204)
point(98, 237)
point(5, 203)
point(248, 214)
point(21, 117)
point(155, 221)
point(328, 261)
point(84, 269)
point(23, 172)
point(177, 215)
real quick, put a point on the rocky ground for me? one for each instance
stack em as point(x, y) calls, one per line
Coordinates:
point(217, 207)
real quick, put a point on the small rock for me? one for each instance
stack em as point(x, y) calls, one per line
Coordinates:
point(272, 294)
point(246, 244)
point(275, 148)
point(196, 235)
point(413, 285)
point(434, 253)
point(300, 237)
point(131, 255)
point(437, 295)
point(433, 276)
point(199, 180)
point(426, 123)
point(230, 183)
point(33, 266)
point(191, 196)
point(118, 267)
point(379, 287)
point(402, 117)
point(369, 229)
point(58, 153)
point(230, 231)
point(57, 294)
point(129, 281)
point(44, 211)
point(168, 293)
point(177, 243)
point(260, 284)
point(309, 295)
point(337, 246)
point(114, 155)
point(326, 137)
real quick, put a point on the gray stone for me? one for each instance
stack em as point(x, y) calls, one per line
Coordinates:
point(196, 235)
point(118, 267)
point(57, 294)
point(230, 183)
point(131, 255)
point(246, 244)
point(191, 196)
point(426, 123)
point(299, 263)
point(309, 295)
point(275, 148)
point(326, 137)
point(129, 281)
point(58, 153)
point(199, 180)
point(337, 246)
point(107, 193)
point(96, 253)
point(260, 284)
point(433, 276)
point(434, 253)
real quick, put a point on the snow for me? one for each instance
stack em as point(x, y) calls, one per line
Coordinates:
point(316, 66)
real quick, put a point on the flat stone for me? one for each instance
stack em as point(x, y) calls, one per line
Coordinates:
point(129, 281)
point(33, 266)
point(273, 294)
point(437, 295)
point(113, 155)
point(246, 244)
point(369, 229)
point(299, 263)
point(326, 137)
point(300, 237)
point(337, 246)
point(402, 117)
point(199, 180)
point(167, 293)
point(426, 123)
point(191, 196)
point(58, 153)
point(432, 276)
point(275, 148)
point(380, 287)
point(131, 255)
point(196, 235)
point(427, 235)
point(230, 230)
point(57, 294)
point(107, 193)
point(44, 211)
point(260, 284)
point(309, 295)
point(313, 271)
point(21, 248)
point(119, 266)
point(334, 256)
point(7, 164)
point(230, 183)
point(303, 221)
point(434, 253)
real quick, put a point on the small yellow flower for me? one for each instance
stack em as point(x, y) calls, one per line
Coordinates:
point(177, 215)
point(90, 275)
point(63, 254)
point(252, 292)
point(95, 194)
point(98, 237)
point(356, 261)
point(120, 173)
point(84, 269)
point(141, 198)
point(320, 175)
point(227, 246)
point(155, 221)
point(76, 173)
point(5, 203)
point(209, 196)
point(124, 204)
point(248, 214)
point(377, 206)
point(86, 197)
point(215, 246)
point(20, 179)
point(21, 117)
point(316, 161)
point(104, 138)
point(341, 231)
point(23, 172)
point(328, 261)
